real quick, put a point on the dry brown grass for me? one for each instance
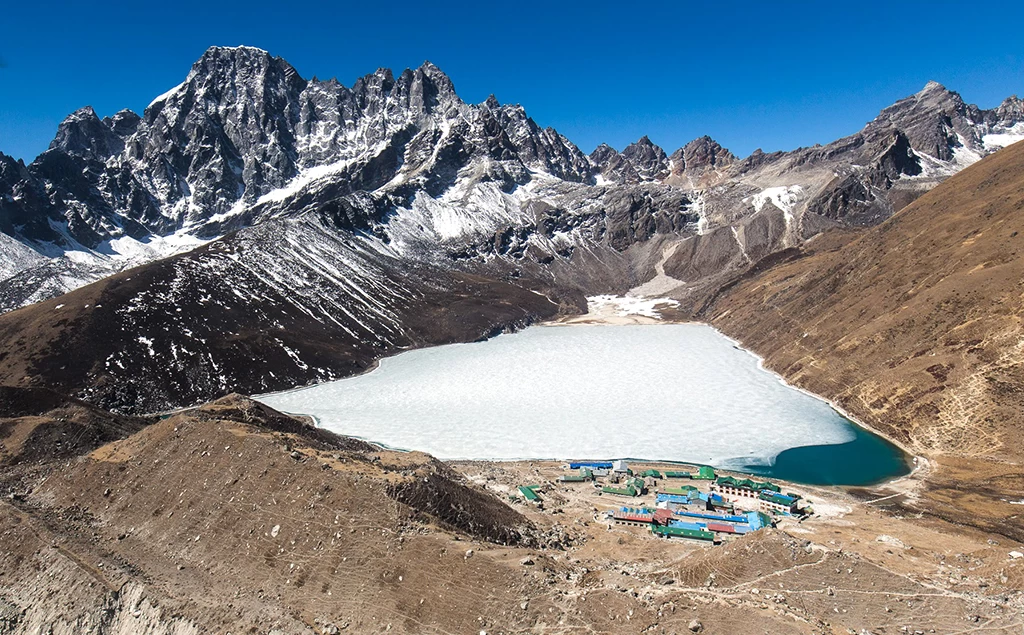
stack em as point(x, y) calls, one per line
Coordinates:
point(914, 326)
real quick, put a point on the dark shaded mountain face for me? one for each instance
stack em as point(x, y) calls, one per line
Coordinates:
point(317, 227)
point(41, 425)
point(285, 304)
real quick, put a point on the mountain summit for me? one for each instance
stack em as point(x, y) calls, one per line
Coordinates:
point(323, 226)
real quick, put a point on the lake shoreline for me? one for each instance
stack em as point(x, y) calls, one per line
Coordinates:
point(607, 314)
point(642, 364)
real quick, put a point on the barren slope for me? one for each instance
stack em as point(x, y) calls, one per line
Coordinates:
point(194, 327)
point(39, 426)
point(914, 327)
point(235, 518)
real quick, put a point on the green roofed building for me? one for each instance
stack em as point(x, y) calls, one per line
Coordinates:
point(705, 473)
point(628, 490)
point(681, 491)
point(746, 483)
point(678, 475)
point(638, 483)
point(651, 473)
point(569, 478)
point(528, 492)
point(696, 534)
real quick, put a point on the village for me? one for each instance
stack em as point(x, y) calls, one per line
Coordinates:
point(696, 503)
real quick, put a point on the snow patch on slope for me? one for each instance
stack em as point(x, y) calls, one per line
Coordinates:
point(626, 305)
point(1007, 136)
point(963, 155)
point(165, 96)
point(784, 197)
point(15, 256)
point(464, 210)
point(125, 252)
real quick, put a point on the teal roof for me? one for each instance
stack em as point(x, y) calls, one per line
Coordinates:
point(527, 491)
point(778, 499)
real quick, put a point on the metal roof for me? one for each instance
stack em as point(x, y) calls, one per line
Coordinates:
point(684, 533)
point(527, 491)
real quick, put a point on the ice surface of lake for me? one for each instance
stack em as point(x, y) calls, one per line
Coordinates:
point(680, 392)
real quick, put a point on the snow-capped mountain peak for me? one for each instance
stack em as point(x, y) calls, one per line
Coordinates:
point(244, 139)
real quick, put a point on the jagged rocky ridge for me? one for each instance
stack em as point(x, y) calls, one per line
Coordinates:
point(318, 227)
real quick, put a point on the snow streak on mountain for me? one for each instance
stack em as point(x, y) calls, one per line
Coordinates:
point(321, 226)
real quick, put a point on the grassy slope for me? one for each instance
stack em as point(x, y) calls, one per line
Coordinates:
point(915, 328)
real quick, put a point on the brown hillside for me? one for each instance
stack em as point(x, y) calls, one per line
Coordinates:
point(915, 326)
point(234, 518)
point(38, 425)
point(237, 517)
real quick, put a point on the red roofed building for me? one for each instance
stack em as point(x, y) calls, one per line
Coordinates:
point(662, 516)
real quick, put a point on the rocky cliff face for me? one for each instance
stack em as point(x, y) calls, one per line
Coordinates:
point(244, 136)
point(362, 209)
point(244, 124)
point(699, 157)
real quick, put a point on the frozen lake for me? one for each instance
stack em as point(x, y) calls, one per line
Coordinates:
point(677, 392)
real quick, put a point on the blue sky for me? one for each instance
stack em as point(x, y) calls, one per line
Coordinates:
point(750, 75)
